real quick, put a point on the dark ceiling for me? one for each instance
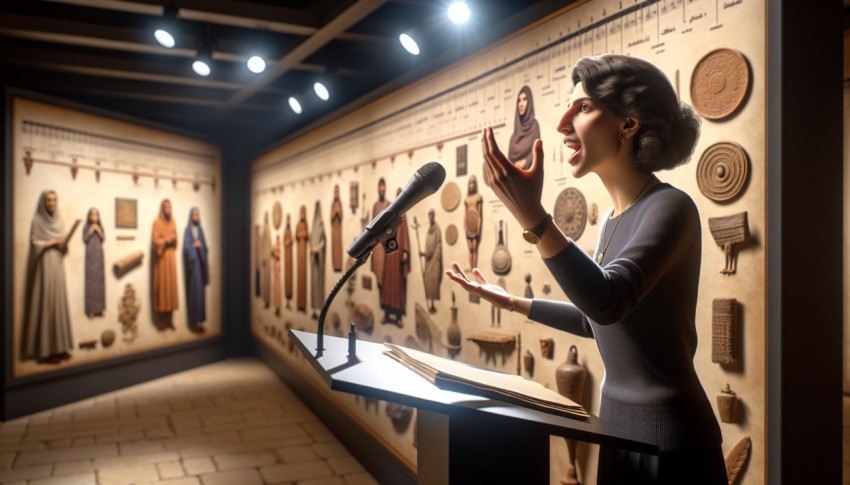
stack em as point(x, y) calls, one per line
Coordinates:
point(102, 53)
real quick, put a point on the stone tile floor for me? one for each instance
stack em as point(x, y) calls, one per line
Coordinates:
point(232, 422)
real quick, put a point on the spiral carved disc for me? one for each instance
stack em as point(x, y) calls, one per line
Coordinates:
point(722, 171)
point(719, 83)
point(570, 212)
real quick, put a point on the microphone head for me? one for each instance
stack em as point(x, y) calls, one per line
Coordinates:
point(433, 174)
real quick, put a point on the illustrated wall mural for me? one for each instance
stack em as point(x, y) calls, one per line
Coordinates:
point(713, 53)
point(116, 230)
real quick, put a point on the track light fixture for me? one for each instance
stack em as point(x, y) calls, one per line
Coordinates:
point(409, 44)
point(165, 33)
point(256, 64)
point(295, 105)
point(202, 64)
point(321, 91)
point(459, 12)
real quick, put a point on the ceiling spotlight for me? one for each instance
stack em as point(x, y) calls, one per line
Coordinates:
point(295, 105)
point(163, 33)
point(201, 67)
point(409, 44)
point(203, 60)
point(164, 38)
point(256, 64)
point(321, 91)
point(459, 12)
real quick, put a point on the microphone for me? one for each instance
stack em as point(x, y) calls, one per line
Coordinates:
point(383, 227)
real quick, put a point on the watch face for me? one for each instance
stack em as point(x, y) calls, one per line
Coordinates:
point(570, 212)
point(530, 237)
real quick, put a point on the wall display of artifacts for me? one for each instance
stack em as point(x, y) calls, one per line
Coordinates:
point(520, 88)
point(117, 238)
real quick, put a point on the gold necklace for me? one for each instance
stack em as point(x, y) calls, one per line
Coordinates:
point(620, 216)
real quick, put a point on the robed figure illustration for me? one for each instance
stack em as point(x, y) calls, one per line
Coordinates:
point(526, 130)
point(396, 268)
point(265, 262)
point(196, 267)
point(95, 290)
point(432, 271)
point(317, 261)
point(378, 254)
point(336, 231)
point(276, 289)
point(473, 205)
point(287, 262)
point(164, 271)
point(302, 234)
point(47, 321)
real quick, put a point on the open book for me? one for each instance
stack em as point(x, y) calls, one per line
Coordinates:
point(455, 376)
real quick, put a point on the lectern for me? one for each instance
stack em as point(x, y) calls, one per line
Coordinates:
point(462, 438)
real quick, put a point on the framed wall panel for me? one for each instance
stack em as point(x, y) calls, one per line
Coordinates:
point(114, 177)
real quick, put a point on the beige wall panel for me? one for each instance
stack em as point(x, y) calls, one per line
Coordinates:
point(396, 135)
point(56, 134)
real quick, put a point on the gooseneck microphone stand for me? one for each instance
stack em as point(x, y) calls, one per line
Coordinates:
point(320, 335)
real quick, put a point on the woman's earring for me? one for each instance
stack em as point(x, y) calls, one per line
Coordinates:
point(621, 137)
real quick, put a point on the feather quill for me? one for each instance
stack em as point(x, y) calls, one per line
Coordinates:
point(737, 458)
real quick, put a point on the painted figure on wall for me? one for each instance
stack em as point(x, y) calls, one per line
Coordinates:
point(196, 266)
point(164, 274)
point(265, 262)
point(378, 254)
point(396, 268)
point(317, 261)
point(433, 268)
point(473, 219)
point(336, 231)
point(526, 130)
point(95, 291)
point(287, 262)
point(276, 289)
point(301, 237)
point(47, 322)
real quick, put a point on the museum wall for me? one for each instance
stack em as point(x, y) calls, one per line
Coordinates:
point(131, 286)
point(326, 184)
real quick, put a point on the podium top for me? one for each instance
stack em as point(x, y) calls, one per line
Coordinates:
point(373, 374)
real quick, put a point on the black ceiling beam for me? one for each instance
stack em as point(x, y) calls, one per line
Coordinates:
point(327, 33)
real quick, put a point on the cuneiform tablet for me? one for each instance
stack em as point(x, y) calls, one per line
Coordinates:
point(719, 83)
point(722, 171)
point(724, 324)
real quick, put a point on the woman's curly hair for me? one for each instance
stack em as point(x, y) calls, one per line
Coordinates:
point(632, 87)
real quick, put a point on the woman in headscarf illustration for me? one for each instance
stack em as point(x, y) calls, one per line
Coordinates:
point(196, 266)
point(47, 324)
point(526, 130)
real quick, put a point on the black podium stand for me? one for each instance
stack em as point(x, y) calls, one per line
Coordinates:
point(462, 438)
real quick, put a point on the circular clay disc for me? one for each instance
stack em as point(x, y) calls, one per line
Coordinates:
point(722, 171)
point(451, 234)
point(501, 260)
point(450, 197)
point(570, 212)
point(719, 83)
point(277, 215)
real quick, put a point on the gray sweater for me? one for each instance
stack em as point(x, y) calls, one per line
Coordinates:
point(640, 307)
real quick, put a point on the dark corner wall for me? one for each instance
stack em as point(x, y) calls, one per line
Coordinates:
point(804, 242)
point(32, 394)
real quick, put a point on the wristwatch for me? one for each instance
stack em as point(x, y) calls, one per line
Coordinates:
point(534, 234)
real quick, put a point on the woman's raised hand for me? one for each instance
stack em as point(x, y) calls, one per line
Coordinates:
point(478, 285)
point(520, 190)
